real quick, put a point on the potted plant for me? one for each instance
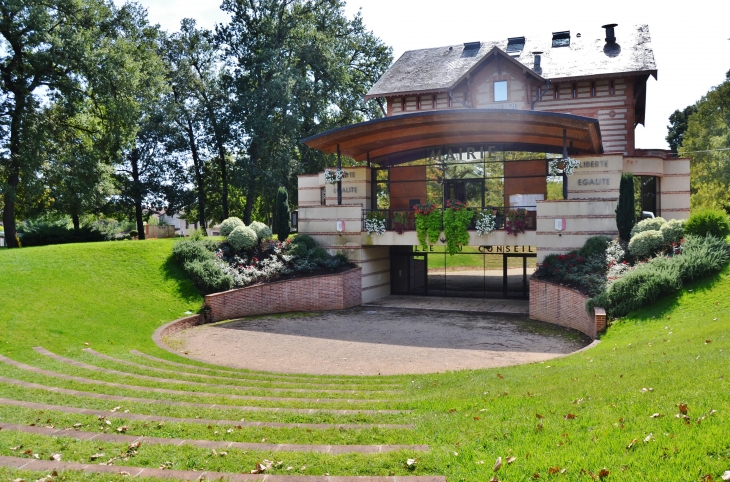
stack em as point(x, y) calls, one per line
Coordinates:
point(428, 223)
point(457, 218)
point(486, 222)
point(516, 222)
point(375, 223)
point(400, 221)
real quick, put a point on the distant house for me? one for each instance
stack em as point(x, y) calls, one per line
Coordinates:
point(183, 227)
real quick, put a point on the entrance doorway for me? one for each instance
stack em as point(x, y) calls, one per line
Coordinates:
point(473, 272)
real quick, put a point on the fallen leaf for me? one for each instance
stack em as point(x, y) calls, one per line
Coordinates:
point(56, 457)
point(535, 475)
point(726, 475)
point(134, 446)
point(96, 456)
point(511, 459)
point(569, 416)
point(290, 468)
point(553, 470)
point(477, 418)
point(115, 409)
point(656, 415)
point(410, 462)
point(77, 425)
point(603, 473)
point(706, 477)
point(628, 447)
point(121, 429)
point(648, 438)
point(494, 479)
point(500, 376)
point(538, 415)
point(497, 464)
point(683, 408)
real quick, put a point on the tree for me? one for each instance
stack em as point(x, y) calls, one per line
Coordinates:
point(282, 221)
point(298, 67)
point(707, 142)
point(625, 215)
point(40, 47)
point(678, 123)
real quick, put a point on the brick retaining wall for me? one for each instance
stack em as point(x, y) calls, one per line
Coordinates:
point(324, 292)
point(565, 307)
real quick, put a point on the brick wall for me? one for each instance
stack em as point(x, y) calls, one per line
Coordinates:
point(325, 292)
point(565, 307)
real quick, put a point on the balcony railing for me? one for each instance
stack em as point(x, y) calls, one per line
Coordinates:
point(402, 220)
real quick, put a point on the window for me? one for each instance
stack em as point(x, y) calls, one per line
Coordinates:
point(500, 91)
point(575, 91)
point(612, 88)
point(593, 89)
point(561, 39)
point(557, 92)
point(515, 45)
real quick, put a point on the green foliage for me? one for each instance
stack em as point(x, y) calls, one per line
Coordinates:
point(678, 123)
point(45, 233)
point(705, 142)
point(229, 225)
point(262, 231)
point(318, 254)
point(701, 257)
point(583, 273)
point(208, 276)
point(708, 222)
point(428, 226)
point(672, 231)
point(187, 250)
point(646, 244)
point(282, 221)
point(133, 233)
point(595, 246)
point(242, 238)
point(456, 224)
point(650, 224)
point(625, 217)
point(304, 240)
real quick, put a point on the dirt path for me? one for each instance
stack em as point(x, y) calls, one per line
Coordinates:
point(375, 340)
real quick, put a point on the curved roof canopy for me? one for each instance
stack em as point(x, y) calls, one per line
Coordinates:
point(403, 138)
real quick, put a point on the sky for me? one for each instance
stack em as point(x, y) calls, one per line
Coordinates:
point(691, 39)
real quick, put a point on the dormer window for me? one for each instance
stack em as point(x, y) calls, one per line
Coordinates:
point(515, 45)
point(561, 39)
point(500, 91)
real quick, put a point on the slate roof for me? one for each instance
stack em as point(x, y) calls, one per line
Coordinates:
point(438, 69)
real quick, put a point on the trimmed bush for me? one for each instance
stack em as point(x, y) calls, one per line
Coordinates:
point(651, 224)
point(243, 238)
point(283, 215)
point(672, 231)
point(262, 231)
point(134, 233)
point(192, 250)
point(646, 244)
point(595, 246)
point(305, 240)
point(318, 254)
point(625, 216)
point(298, 250)
point(208, 276)
point(708, 222)
point(42, 234)
point(229, 225)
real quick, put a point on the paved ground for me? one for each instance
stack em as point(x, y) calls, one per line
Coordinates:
point(480, 305)
point(372, 340)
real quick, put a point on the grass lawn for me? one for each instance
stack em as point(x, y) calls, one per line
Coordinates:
point(612, 412)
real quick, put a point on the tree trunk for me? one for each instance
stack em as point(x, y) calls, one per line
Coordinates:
point(11, 233)
point(76, 221)
point(197, 165)
point(248, 210)
point(221, 157)
point(137, 193)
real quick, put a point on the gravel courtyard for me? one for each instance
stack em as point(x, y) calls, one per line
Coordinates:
point(375, 340)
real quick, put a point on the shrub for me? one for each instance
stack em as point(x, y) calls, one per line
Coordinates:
point(262, 231)
point(582, 273)
point(242, 238)
point(708, 222)
point(701, 257)
point(134, 233)
point(304, 239)
point(646, 244)
point(318, 254)
point(229, 225)
point(299, 250)
point(595, 246)
point(208, 275)
point(672, 231)
point(625, 217)
point(43, 234)
point(651, 224)
point(283, 215)
point(191, 250)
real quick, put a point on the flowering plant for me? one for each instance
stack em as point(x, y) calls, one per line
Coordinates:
point(428, 223)
point(333, 177)
point(375, 223)
point(400, 221)
point(516, 222)
point(564, 165)
point(457, 219)
point(486, 223)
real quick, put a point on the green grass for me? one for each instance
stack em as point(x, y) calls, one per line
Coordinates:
point(114, 295)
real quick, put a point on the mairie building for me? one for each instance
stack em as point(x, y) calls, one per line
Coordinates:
point(479, 123)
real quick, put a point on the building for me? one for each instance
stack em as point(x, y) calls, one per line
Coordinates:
point(477, 123)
